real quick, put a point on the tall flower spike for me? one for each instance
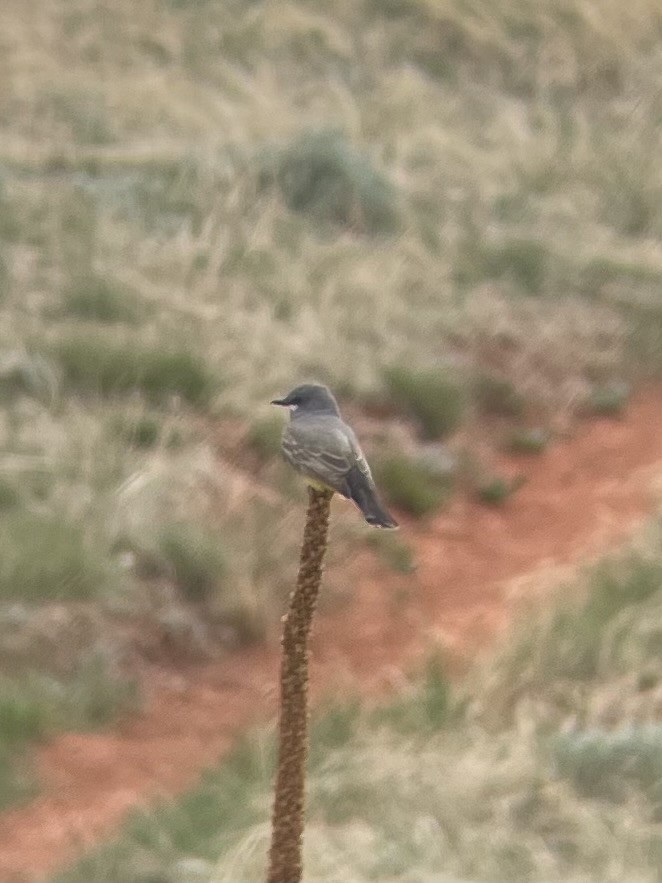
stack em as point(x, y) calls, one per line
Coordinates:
point(285, 862)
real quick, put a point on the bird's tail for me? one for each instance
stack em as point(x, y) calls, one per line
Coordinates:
point(365, 496)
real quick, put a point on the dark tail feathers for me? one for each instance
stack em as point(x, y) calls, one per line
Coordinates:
point(360, 492)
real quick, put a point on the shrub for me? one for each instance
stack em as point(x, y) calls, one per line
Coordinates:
point(494, 490)
point(411, 486)
point(102, 300)
point(605, 764)
point(527, 441)
point(608, 400)
point(322, 175)
point(524, 260)
point(22, 717)
point(95, 364)
point(23, 373)
point(436, 399)
point(497, 396)
point(141, 432)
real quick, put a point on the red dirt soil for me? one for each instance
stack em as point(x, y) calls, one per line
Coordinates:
point(583, 495)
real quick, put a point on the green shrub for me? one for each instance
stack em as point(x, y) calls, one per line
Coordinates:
point(497, 396)
point(524, 261)
point(23, 718)
point(47, 558)
point(527, 441)
point(322, 175)
point(608, 400)
point(411, 486)
point(101, 300)
point(436, 399)
point(605, 764)
point(142, 432)
point(194, 560)
point(29, 374)
point(145, 433)
point(496, 489)
point(94, 364)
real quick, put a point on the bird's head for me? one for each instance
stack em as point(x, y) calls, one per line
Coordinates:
point(309, 398)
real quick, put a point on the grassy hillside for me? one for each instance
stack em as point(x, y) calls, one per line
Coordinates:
point(543, 765)
point(447, 210)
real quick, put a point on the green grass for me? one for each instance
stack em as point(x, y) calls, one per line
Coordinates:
point(504, 776)
point(605, 630)
point(94, 364)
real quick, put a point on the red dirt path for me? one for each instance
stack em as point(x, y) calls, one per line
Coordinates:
point(583, 495)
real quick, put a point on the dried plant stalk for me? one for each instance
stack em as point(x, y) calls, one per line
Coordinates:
point(285, 863)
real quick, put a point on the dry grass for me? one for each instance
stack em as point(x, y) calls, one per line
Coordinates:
point(489, 124)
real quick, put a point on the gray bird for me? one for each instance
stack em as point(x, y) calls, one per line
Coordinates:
point(324, 449)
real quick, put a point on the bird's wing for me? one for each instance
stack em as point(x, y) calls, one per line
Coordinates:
point(359, 459)
point(325, 449)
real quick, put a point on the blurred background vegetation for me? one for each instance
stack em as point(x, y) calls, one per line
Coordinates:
point(449, 211)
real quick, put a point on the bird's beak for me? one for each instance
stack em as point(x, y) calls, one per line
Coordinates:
point(283, 402)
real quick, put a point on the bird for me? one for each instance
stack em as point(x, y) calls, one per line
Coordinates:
point(319, 444)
